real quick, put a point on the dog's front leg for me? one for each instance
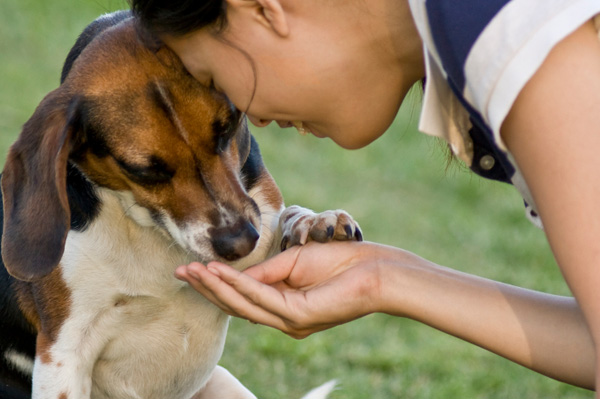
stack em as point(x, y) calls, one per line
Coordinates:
point(223, 385)
point(59, 373)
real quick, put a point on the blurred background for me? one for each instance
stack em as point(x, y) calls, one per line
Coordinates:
point(402, 192)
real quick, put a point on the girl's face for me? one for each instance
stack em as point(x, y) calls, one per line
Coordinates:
point(331, 71)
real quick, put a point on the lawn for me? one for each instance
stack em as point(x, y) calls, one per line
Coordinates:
point(401, 192)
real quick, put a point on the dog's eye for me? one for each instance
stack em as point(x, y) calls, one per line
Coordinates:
point(155, 172)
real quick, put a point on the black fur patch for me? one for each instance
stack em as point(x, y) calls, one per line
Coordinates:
point(89, 33)
point(253, 166)
point(83, 200)
point(225, 129)
point(89, 136)
point(15, 335)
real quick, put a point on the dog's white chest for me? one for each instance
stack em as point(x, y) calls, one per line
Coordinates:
point(160, 349)
point(135, 330)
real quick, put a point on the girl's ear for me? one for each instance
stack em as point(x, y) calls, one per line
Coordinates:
point(268, 13)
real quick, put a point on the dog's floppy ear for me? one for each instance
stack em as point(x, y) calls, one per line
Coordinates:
point(36, 207)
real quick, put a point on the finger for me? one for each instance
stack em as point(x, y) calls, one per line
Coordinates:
point(195, 274)
point(227, 296)
point(282, 304)
point(252, 307)
point(211, 286)
point(275, 269)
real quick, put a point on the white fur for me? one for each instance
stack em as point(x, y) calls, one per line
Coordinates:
point(134, 330)
point(321, 392)
point(223, 385)
point(132, 209)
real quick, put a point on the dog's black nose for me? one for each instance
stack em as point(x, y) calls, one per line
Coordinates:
point(235, 241)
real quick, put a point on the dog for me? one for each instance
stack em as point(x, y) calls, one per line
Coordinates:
point(127, 170)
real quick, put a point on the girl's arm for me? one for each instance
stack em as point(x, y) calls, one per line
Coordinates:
point(543, 332)
point(553, 131)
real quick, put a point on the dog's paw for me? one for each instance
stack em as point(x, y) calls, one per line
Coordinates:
point(300, 225)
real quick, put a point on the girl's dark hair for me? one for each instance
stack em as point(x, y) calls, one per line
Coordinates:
point(178, 18)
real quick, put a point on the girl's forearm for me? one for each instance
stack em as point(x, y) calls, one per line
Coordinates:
point(543, 332)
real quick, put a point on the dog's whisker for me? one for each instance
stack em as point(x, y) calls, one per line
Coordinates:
point(173, 245)
point(126, 210)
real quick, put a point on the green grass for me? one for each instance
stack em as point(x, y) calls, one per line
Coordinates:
point(402, 195)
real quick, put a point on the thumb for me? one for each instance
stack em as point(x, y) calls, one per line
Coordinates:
point(276, 268)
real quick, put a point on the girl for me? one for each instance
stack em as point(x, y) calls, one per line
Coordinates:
point(513, 86)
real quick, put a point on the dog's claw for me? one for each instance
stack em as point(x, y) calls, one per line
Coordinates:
point(348, 230)
point(358, 235)
point(284, 242)
point(303, 225)
point(330, 231)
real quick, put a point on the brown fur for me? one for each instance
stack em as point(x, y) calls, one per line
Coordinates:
point(170, 118)
point(182, 141)
point(46, 305)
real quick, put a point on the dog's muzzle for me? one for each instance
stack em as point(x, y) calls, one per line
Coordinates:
point(235, 241)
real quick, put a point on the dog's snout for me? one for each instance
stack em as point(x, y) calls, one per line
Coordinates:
point(235, 241)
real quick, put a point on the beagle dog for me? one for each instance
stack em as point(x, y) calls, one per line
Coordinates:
point(127, 170)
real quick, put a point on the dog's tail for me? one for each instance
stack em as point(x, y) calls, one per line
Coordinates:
point(321, 392)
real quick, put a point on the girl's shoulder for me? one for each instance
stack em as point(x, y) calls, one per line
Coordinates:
point(487, 50)
point(479, 56)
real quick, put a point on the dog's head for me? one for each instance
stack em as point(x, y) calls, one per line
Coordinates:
point(130, 119)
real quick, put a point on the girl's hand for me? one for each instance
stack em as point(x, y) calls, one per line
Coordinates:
point(303, 290)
